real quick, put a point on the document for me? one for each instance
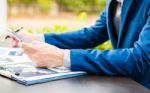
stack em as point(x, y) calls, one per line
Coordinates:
point(15, 65)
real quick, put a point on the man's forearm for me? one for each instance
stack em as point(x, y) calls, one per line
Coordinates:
point(66, 55)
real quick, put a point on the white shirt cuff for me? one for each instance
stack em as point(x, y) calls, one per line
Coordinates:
point(43, 38)
point(67, 63)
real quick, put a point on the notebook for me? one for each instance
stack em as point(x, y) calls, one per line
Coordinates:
point(17, 66)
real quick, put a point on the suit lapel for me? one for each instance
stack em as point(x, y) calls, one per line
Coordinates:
point(125, 10)
point(110, 28)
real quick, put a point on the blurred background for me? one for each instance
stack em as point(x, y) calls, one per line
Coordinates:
point(53, 16)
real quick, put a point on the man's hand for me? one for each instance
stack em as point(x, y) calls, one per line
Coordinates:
point(44, 55)
point(28, 38)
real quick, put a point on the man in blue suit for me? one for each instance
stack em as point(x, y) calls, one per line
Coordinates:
point(126, 23)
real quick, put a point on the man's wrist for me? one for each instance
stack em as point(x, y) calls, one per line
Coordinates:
point(39, 37)
point(36, 37)
point(61, 58)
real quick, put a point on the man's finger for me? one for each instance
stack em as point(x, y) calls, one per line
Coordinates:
point(9, 35)
point(14, 43)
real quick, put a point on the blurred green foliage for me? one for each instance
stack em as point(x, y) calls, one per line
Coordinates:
point(27, 2)
point(55, 29)
point(65, 5)
point(82, 16)
point(44, 5)
point(82, 5)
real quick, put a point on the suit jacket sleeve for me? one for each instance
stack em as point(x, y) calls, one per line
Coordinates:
point(130, 62)
point(84, 38)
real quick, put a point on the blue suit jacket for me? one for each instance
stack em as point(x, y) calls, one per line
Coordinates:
point(130, 56)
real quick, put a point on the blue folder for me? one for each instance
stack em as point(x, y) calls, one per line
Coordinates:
point(27, 74)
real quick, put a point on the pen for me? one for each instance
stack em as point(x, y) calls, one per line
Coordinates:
point(14, 33)
point(18, 30)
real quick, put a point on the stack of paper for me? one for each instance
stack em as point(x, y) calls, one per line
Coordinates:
point(17, 66)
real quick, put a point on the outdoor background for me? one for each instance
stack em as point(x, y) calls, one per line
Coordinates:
point(54, 16)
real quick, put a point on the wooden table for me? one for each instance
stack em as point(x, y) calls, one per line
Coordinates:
point(84, 84)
